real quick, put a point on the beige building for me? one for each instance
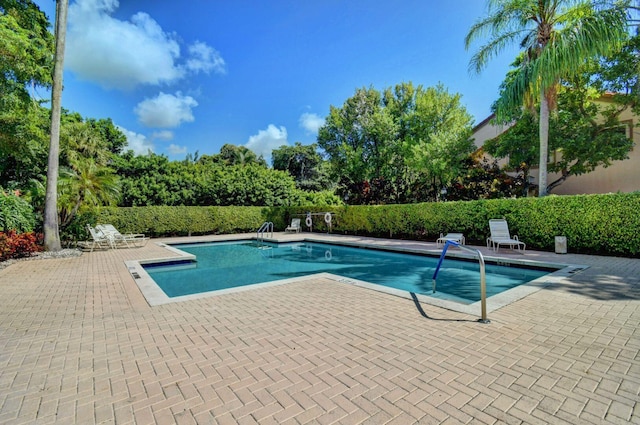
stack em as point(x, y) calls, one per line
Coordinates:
point(620, 176)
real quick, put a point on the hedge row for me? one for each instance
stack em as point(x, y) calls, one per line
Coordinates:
point(184, 221)
point(595, 224)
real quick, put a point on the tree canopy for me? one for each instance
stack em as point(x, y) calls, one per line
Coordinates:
point(304, 164)
point(401, 145)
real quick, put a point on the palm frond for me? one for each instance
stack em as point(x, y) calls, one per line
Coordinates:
point(488, 51)
point(596, 35)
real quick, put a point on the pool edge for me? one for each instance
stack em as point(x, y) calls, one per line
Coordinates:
point(156, 296)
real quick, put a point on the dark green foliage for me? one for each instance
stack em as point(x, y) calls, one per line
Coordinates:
point(239, 155)
point(399, 146)
point(484, 179)
point(593, 224)
point(304, 164)
point(155, 180)
point(15, 213)
point(183, 220)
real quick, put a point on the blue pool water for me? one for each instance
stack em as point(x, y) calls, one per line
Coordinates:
point(229, 265)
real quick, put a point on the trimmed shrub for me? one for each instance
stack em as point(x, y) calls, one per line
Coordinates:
point(15, 213)
point(183, 221)
point(593, 224)
point(17, 245)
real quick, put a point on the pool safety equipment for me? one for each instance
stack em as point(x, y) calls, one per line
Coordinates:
point(308, 220)
point(328, 218)
point(483, 279)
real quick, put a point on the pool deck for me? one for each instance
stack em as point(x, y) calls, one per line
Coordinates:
point(80, 344)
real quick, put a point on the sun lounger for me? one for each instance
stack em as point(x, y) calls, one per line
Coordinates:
point(455, 237)
point(500, 236)
point(98, 239)
point(295, 226)
point(117, 238)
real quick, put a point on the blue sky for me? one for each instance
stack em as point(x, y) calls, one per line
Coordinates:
point(181, 77)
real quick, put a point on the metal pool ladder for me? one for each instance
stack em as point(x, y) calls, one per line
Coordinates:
point(483, 279)
point(265, 229)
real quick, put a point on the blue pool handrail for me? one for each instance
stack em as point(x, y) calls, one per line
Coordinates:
point(483, 279)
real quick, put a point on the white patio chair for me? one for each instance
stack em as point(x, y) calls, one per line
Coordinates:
point(117, 238)
point(295, 226)
point(455, 237)
point(500, 236)
point(98, 239)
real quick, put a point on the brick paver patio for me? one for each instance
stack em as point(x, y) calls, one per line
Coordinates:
point(79, 344)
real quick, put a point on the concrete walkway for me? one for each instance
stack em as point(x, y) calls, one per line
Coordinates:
point(79, 344)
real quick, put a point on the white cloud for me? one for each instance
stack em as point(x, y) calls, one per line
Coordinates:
point(205, 58)
point(123, 54)
point(162, 135)
point(138, 143)
point(166, 110)
point(176, 150)
point(267, 140)
point(311, 122)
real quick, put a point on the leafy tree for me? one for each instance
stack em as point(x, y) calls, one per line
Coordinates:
point(239, 155)
point(250, 184)
point(304, 164)
point(619, 73)
point(585, 133)
point(557, 36)
point(359, 138)
point(438, 138)
point(154, 180)
point(26, 51)
point(519, 144)
point(26, 60)
point(483, 179)
point(23, 146)
point(398, 147)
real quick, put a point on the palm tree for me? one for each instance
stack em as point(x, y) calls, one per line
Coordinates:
point(557, 37)
point(85, 184)
point(51, 230)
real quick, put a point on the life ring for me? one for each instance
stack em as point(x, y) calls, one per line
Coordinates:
point(327, 255)
point(327, 218)
point(308, 221)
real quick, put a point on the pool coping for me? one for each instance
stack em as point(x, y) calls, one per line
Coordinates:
point(156, 296)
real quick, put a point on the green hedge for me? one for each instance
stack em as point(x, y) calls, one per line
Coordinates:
point(594, 224)
point(182, 221)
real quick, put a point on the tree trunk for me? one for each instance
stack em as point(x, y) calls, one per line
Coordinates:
point(544, 144)
point(51, 231)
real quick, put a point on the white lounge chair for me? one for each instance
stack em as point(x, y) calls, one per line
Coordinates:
point(500, 236)
point(97, 239)
point(116, 238)
point(455, 237)
point(295, 226)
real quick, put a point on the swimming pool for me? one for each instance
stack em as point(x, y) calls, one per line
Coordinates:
point(234, 264)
